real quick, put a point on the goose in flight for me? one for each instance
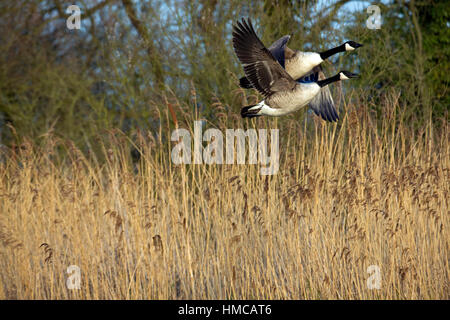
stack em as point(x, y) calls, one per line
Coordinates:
point(299, 63)
point(282, 94)
point(304, 66)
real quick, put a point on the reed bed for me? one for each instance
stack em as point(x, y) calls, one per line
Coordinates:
point(347, 196)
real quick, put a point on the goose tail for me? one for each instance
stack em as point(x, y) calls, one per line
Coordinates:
point(251, 111)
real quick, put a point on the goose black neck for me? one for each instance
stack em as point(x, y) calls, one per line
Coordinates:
point(327, 81)
point(326, 54)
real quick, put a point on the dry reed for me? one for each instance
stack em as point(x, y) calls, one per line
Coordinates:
point(346, 197)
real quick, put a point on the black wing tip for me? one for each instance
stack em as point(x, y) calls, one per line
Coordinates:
point(329, 115)
point(243, 24)
point(242, 33)
point(327, 111)
point(245, 83)
point(333, 120)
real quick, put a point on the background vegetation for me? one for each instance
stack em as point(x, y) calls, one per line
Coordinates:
point(86, 177)
point(131, 57)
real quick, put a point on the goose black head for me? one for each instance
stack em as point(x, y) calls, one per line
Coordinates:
point(345, 75)
point(352, 45)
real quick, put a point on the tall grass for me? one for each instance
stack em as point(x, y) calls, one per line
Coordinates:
point(347, 196)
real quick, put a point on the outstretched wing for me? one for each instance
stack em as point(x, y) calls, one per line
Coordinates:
point(260, 66)
point(322, 104)
point(278, 49)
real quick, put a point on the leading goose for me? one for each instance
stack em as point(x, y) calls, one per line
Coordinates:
point(282, 94)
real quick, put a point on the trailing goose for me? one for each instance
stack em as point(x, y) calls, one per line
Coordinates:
point(299, 63)
point(282, 94)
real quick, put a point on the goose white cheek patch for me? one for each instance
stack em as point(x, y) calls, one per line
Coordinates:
point(348, 47)
point(343, 76)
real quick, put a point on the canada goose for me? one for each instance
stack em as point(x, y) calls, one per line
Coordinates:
point(282, 94)
point(298, 63)
point(304, 66)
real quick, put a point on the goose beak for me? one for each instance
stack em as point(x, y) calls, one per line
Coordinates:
point(351, 75)
point(357, 45)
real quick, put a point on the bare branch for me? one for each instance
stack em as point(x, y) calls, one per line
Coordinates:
point(151, 49)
